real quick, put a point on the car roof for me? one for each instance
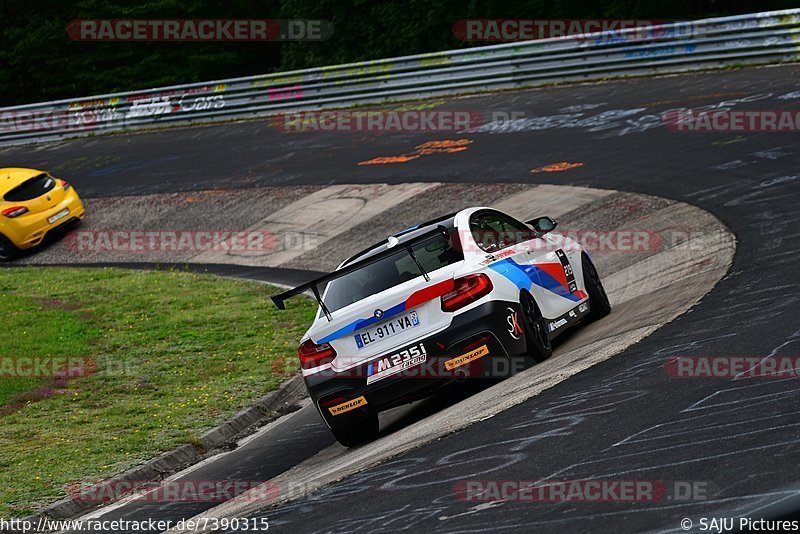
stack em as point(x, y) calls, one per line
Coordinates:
point(447, 221)
point(11, 177)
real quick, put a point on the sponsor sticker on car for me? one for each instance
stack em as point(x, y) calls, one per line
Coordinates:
point(464, 359)
point(387, 329)
point(386, 366)
point(347, 406)
point(568, 272)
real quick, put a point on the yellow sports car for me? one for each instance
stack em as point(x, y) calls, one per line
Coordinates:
point(33, 204)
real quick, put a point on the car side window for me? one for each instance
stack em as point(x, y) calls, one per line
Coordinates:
point(493, 231)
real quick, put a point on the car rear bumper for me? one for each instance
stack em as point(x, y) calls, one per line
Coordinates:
point(31, 229)
point(479, 343)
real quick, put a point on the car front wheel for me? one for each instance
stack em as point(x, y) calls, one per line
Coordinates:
point(598, 300)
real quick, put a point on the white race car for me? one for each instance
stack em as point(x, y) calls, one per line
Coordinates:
point(472, 294)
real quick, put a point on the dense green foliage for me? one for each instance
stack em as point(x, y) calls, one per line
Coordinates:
point(38, 60)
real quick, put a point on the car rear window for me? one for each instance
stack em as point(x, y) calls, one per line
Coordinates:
point(390, 271)
point(30, 189)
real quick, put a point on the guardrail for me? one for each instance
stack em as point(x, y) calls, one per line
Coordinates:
point(710, 43)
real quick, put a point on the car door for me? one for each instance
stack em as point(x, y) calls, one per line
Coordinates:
point(558, 291)
point(520, 251)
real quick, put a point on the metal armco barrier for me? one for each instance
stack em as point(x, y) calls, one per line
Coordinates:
point(681, 47)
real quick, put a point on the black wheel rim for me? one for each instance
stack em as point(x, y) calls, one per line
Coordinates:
point(4, 255)
point(534, 321)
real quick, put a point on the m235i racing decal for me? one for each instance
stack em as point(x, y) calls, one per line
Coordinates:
point(390, 365)
point(347, 406)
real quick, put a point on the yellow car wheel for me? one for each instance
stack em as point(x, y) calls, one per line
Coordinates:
point(7, 249)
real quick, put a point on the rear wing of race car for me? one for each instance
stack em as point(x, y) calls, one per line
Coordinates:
point(313, 285)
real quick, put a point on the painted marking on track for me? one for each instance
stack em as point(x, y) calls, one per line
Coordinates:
point(389, 159)
point(445, 146)
point(561, 166)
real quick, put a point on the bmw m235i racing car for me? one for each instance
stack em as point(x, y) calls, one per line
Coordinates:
point(472, 294)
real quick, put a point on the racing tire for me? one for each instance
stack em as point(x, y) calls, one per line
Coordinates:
point(7, 249)
point(599, 305)
point(356, 432)
point(536, 337)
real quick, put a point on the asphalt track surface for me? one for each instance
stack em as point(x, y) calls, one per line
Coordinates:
point(623, 419)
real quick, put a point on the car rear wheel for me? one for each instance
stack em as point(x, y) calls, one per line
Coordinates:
point(7, 249)
point(539, 346)
point(598, 300)
point(358, 431)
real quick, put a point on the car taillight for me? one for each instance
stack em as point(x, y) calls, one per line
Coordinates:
point(312, 355)
point(16, 211)
point(466, 290)
point(65, 185)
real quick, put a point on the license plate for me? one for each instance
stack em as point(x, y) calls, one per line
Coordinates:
point(386, 366)
point(387, 329)
point(58, 216)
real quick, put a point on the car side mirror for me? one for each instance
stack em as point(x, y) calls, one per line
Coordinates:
point(543, 225)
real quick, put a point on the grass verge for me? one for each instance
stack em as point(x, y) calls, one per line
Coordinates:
point(172, 353)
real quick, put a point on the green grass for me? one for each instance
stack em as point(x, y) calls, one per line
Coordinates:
point(176, 353)
point(31, 330)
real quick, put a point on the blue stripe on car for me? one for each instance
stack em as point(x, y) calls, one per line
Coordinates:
point(358, 324)
point(524, 276)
